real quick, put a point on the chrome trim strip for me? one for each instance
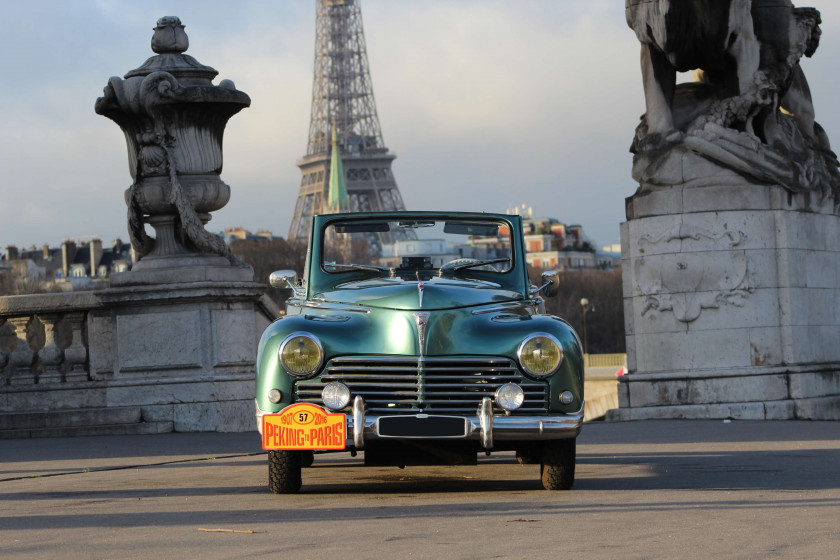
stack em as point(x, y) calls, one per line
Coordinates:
point(329, 307)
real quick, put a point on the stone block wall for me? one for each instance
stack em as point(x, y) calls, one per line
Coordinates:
point(183, 353)
point(731, 302)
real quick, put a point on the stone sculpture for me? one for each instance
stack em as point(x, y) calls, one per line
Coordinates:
point(730, 248)
point(173, 118)
point(749, 109)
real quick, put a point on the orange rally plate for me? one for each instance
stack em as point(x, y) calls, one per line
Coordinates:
point(304, 426)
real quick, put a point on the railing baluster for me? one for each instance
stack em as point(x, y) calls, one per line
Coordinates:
point(76, 355)
point(51, 355)
point(22, 357)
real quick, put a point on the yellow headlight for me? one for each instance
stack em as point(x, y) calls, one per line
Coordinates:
point(301, 354)
point(540, 355)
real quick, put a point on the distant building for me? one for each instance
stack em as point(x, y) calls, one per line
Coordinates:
point(231, 235)
point(551, 244)
point(70, 266)
point(91, 260)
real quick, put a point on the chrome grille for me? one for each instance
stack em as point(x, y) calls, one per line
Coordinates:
point(431, 384)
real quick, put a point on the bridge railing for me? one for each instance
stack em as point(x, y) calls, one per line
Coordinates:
point(43, 338)
point(604, 360)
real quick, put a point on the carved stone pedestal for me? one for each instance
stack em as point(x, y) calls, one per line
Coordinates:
point(182, 352)
point(732, 302)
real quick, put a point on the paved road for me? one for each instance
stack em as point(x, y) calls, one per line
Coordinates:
point(655, 489)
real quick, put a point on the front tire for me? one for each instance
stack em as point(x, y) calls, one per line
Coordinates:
point(558, 464)
point(284, 471)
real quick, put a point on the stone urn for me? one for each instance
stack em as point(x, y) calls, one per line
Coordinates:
point(173, 118)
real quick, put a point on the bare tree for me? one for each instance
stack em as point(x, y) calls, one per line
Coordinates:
point(267, 255)
point(605, 317)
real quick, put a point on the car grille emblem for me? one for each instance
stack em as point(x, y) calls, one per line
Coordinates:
point(422, 319)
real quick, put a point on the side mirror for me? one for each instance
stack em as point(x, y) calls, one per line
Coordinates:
point(283, 279)
point(551, 283)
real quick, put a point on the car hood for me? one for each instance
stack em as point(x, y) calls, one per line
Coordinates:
point(435, 293)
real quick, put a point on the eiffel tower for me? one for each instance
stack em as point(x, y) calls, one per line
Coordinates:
point(343, 115)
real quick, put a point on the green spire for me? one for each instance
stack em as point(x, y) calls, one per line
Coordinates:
point(337, 199)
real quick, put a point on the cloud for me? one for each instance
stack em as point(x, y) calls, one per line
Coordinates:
point(487, 103)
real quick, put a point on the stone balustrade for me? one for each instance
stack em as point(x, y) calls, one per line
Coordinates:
point(43, 338)
point(177, 355)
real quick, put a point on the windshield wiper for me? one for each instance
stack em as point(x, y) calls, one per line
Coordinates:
point(454, 267)
point(351, 266)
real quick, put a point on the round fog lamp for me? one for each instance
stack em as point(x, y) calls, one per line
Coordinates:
point(566, 397)
point(336, 395)
point(275, 396)
point(510, 396)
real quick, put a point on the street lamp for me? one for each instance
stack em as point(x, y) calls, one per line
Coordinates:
point(584, 303)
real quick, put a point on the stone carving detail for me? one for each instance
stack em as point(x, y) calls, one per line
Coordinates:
point(174, 119)
point(749, 109)
point(688, 231)
point(688, 282)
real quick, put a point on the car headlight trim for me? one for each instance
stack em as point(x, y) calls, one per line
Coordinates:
point(540, 355)
point(301, 354)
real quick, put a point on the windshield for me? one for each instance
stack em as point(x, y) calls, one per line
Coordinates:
point(409, 246)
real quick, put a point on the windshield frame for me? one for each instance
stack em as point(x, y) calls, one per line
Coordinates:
point(320, 280)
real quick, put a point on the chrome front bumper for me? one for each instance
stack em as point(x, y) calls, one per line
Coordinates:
point(484, 426)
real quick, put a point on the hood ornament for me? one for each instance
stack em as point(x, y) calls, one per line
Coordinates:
point(420, 289)
point(422, 319)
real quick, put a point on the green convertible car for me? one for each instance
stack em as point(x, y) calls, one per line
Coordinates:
point(418, 339)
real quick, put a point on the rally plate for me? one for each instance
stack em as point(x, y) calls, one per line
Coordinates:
point(304, 426)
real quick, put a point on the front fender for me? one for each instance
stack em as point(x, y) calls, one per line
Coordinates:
point(502, 334)
point(395, 332)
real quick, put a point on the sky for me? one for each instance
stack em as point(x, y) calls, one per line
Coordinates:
point(487, 104)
